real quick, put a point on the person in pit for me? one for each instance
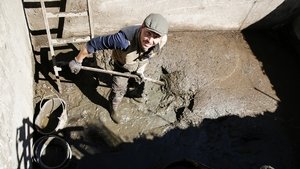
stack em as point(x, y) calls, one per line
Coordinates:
point(132, 48)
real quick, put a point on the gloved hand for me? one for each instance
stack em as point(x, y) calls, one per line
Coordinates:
point(75, 66)
point(140, 73)
point(141, 77)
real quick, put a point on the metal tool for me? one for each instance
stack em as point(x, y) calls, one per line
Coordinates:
point(121, 74)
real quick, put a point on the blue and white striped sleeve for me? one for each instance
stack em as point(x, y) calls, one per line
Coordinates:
point(114, 41)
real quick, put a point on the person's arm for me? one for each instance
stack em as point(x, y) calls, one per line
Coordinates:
point(82, 54)
point(115, 41)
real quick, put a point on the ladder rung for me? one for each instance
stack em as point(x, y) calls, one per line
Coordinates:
point(66, 14)
point(40, 0)
point(62, 41)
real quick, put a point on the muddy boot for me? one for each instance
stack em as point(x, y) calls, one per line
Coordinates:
point(113, 114)
point(141, 99)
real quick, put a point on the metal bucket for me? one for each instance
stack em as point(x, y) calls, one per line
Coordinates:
point(52, 115)
point(52, 152)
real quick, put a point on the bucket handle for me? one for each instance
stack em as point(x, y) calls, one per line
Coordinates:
point(52, 96)
point(47, 143)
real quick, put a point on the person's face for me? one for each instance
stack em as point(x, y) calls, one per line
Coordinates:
point(148, 38)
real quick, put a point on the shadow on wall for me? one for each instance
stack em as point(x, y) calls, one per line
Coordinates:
point(24, 138)
point(283, 14)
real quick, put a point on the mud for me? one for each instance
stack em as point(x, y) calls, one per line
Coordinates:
point(223, 106)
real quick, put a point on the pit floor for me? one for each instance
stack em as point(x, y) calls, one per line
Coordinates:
point(224, 124)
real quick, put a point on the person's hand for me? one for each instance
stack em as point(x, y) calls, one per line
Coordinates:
point(75, 66)
point(140, 77)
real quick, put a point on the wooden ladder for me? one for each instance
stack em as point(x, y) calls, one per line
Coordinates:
point(62, 41)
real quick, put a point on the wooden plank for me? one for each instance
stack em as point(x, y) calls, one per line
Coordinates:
point(62, 41)
point(56, 69)
point(66, 14)
point(47, 27)
point(40, 0)
point(90, 18)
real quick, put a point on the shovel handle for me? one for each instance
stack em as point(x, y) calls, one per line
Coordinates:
point(120, 74)
point(107, 71)
point(155, 81)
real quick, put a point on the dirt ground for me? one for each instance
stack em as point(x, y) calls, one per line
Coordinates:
point(231, 102)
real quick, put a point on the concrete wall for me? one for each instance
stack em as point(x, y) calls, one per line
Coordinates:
point(110, 15)
point(16, 84)
point(186, 15)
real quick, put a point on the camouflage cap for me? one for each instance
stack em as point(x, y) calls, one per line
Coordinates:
point(156, 23)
